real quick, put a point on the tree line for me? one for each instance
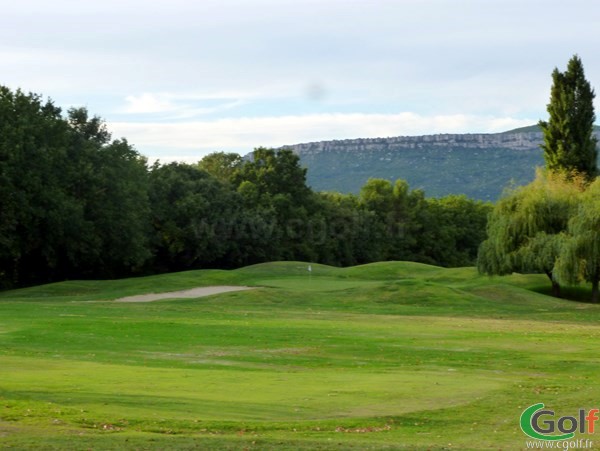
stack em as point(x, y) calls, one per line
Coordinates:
point(552, 225)
point(76, 203)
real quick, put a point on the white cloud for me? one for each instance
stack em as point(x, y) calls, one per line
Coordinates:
point(192, 140)
point(176, 106)
point(148, 103)
point(296, 69)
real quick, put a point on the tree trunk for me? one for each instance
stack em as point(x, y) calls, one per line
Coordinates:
point(595, 291)
point(555, 285)
point(555, 289)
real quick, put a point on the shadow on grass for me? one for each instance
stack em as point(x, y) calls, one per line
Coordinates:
point(575, 294)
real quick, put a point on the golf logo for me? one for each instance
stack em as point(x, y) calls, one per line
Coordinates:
point(542, 424)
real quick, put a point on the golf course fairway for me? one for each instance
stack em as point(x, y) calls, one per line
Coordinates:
point(389, 355)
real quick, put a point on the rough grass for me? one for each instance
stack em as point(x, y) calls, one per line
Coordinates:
point(382, 356)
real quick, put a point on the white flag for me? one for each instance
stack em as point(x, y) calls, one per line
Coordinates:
point(309, 268)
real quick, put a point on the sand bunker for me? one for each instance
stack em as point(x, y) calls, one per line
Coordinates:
point(183, 294)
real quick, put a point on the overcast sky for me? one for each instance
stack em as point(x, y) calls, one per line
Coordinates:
point(181, 78)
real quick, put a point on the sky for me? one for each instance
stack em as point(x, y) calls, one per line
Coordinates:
point(180, 78)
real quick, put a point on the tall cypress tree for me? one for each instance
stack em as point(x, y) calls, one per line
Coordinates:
point(569, 140)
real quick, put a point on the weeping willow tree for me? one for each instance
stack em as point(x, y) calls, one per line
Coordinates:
point(579, 259)
point(526, 229)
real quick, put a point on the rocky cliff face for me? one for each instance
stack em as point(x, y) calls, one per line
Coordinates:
point(512, 141)
point(477, 165)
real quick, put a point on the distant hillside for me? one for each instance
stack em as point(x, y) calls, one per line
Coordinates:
point(478, 165)
point(536, 128)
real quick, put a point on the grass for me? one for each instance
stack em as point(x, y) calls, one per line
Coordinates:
point(384, 356)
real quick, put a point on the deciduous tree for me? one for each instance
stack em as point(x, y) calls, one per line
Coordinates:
point(579, 259)
point(221, 165)
point(525, 227)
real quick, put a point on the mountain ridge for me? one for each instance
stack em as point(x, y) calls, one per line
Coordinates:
point(479, 165)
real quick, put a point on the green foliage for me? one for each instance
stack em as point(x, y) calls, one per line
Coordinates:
point(580, 251)
point(525, 227)
point(221, 165)
point(454, 231)
point(569, 140)
point(445, 231)
point(273, 183)
point(196, 219)
point(116, 209)
point(88, 129)
point(73, 203)
point(33, 150)
point(378, 195)
point(346, 234)
point(76, 203)
point(275, 173)
point(178, 194)
point(551, 225)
